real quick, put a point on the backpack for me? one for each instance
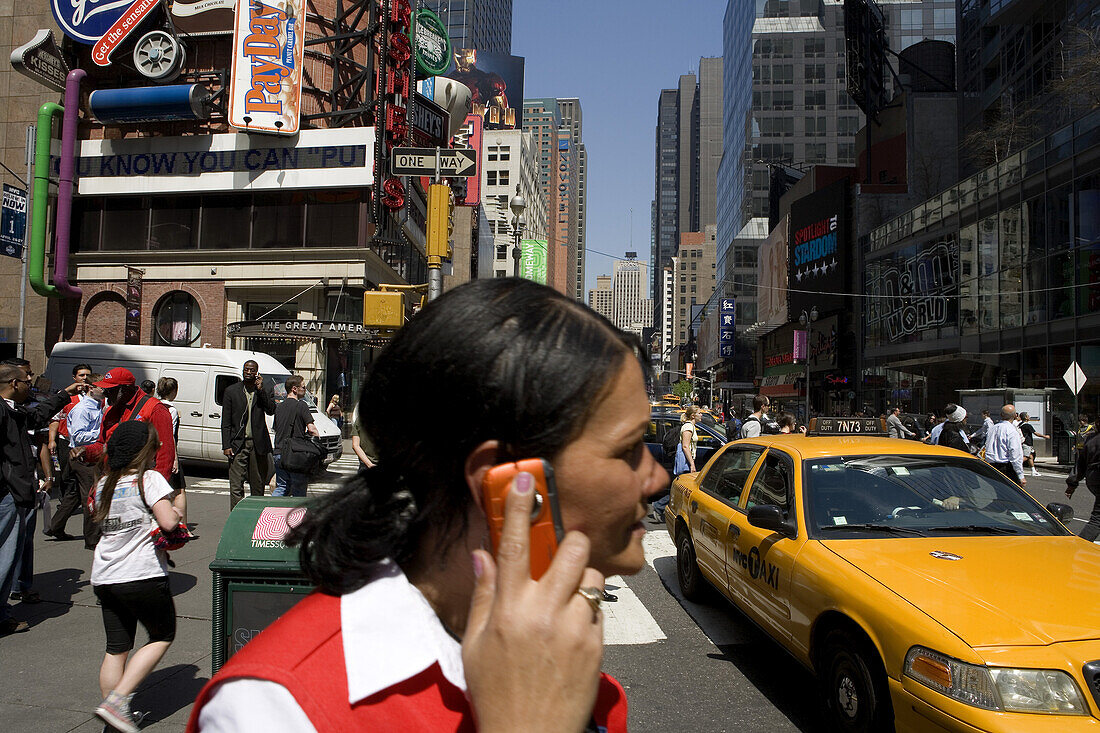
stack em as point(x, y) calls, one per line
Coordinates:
point(769, 427)
point(733, 428)
point(670, 440)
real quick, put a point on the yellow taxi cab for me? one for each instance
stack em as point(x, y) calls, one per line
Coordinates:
point(925, 590)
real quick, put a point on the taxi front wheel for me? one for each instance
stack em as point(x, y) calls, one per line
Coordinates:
point(854, 685)
point(692, 584)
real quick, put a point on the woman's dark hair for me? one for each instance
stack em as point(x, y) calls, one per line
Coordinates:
point(501, 359)
point(131, 449)
point(787, 420)
point(167, 386)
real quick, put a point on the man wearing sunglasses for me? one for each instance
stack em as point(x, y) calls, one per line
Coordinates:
point(18, 483)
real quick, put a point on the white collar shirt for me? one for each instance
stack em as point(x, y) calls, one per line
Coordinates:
point(1003, 444)
point(390, 634)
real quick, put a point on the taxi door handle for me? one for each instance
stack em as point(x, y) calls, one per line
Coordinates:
point(694, 507)
point(734, 530)
point(196, 414)
point(215, 414)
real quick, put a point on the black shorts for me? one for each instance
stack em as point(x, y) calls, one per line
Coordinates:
point(125, 604)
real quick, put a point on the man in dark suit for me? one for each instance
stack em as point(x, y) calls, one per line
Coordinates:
point(18, 482)
point(245, 438)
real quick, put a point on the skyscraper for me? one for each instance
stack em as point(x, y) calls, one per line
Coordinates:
point(688, 150)
point(801, 113)
point(630, 309)
point(482, 24)
point(572, 119)
point(600, 297)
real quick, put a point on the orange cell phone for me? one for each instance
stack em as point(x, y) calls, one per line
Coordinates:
point(546, 528)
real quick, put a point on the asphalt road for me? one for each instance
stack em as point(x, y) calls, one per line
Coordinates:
point(685, 666)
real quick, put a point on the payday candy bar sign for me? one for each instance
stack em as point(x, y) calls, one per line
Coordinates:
point(268, 47)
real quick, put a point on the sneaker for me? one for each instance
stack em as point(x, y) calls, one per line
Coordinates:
point(115, 712)
point(1035, 473)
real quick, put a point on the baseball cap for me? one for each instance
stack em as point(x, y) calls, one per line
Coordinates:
point(115, 378)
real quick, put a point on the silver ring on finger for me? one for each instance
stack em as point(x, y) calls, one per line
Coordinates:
point(593, 595)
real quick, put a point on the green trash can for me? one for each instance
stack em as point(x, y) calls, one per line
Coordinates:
point(257, 578)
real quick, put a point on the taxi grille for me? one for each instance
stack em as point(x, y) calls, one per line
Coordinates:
point(1091, 672)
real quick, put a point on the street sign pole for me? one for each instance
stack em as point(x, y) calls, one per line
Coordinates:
point(435, 263)
point(20, 347)
point(1075, 379)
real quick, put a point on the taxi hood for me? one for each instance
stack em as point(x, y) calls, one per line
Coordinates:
point(1004, 591)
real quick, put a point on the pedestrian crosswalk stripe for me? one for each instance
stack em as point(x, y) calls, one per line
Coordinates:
point(626, 621)
point(714, 620)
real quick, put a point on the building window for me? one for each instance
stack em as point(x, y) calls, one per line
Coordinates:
point(816, 127)
point(176, 320)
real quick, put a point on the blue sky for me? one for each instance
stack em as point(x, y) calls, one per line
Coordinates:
point(615, 56)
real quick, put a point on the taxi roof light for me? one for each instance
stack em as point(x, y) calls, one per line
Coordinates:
point(849, 426)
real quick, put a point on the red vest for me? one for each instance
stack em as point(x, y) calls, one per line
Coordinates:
point(304, 652)
point(63, 428)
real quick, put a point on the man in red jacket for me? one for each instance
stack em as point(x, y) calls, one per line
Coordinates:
point(124, 400)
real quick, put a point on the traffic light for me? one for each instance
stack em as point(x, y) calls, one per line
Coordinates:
point(438, 224)
point(383, 310)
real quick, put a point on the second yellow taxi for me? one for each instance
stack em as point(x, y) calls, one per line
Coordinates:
point(925, 590)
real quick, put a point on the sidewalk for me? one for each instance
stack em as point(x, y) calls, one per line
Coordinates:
point(1049, 464)
point(51, 671)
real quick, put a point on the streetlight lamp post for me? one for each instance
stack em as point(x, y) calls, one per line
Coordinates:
point(805, 320)
point(518, 205)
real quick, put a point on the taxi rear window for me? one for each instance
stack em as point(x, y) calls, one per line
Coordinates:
point(905, 496)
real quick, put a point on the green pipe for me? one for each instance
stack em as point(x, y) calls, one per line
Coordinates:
point(40, 198)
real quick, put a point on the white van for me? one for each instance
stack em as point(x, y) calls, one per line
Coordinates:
point(203, 375)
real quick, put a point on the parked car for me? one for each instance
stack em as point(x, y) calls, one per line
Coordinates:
point(203, 375)
point(711, 436)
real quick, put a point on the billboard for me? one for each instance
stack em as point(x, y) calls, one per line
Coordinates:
point(265, 93)
point(772, 276)
point(496, 83)
point(202, 17)
point(532, 261)
point(819, 249)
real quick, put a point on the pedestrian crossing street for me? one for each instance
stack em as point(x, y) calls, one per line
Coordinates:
point(627, 621)
point(337, 471)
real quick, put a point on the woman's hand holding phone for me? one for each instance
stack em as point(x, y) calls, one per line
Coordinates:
point(532, 650)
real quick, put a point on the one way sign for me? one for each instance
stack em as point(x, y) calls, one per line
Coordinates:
point(422, 162)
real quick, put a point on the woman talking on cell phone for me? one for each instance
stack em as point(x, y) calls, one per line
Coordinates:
point(414, 625)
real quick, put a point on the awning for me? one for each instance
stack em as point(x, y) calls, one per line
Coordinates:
point(781, 390)
point(308, 330)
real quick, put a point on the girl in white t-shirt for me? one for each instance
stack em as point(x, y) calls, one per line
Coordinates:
point(129, 575)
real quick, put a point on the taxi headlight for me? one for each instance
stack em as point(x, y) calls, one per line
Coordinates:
point(1038, 691)
point(996, 688)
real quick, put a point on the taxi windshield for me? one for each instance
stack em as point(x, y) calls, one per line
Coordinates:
point(905, 496)
point(279, 380)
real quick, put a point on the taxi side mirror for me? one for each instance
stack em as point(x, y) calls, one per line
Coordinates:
point(770, 517)
point(1063, 512)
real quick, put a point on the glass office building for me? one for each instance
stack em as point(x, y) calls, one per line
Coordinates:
point(993, 283)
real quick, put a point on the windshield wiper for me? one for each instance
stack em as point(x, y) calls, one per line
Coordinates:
point(873, 528)
point(977, 529)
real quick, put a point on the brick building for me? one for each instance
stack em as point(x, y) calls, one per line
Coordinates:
point(224, 227)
